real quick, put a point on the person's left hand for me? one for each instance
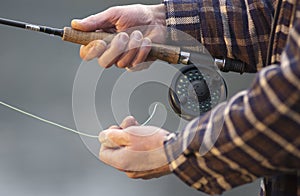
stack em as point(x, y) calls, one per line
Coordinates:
point(136, 150)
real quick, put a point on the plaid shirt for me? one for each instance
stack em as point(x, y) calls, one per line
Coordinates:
point(257, 132)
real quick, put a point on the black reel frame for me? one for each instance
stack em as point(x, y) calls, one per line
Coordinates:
point(196, 89)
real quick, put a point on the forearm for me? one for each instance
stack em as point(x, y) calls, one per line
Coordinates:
point(258, 137)
point(238, 30)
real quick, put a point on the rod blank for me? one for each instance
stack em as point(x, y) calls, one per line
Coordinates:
point(12, 23)
point(32, 27)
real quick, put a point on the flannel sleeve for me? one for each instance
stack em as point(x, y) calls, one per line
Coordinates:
point(237, 29)
point(255, 134)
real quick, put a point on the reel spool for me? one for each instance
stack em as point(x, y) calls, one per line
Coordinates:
point(196, 89)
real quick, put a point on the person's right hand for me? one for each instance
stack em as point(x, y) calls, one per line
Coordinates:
point(124, 50)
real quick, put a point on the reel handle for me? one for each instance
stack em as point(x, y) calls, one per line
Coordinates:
point(170, 54)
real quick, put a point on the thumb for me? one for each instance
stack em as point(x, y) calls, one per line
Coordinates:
point(102, 20)
point(128, 122)
point(114, 138)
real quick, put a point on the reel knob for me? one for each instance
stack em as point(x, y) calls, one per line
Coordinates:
point(198, 90)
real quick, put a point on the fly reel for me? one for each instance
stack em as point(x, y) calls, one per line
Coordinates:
point(196, 89)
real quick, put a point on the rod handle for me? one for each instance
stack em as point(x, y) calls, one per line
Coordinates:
point(170, 54)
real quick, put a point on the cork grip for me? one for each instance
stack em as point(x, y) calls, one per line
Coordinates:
point(166, 53)
point(83, 38)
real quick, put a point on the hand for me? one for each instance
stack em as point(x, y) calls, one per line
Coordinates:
point(136, 150)
point(124, 50)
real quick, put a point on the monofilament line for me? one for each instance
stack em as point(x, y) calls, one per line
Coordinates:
point(46, 121)
point(61, 126)
point(151, 116)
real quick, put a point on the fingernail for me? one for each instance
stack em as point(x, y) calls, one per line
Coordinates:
point(137, 35)
point(129, 69)
point(76, 21)
point(100, 45)
point(124, 37)
point(146, 42)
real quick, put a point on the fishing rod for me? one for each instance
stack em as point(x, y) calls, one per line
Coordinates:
point(197, 66)
point(170, 54)
point(166, 53)
point(23, 25)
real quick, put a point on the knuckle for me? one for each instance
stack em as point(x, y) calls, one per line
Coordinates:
point(113, 9)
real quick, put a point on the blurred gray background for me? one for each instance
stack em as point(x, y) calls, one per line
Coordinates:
point(37, 74)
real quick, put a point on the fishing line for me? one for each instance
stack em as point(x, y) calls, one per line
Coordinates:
point(64, 127)
point(151, 116)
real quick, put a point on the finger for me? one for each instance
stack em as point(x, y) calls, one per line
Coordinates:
point(113, 138)
point(129, 121)
point(114, 127)
point(102, 20)
point(139, 67)
point(134, 43)
point(143, 52)
point(105, 141)
point(92, 50)
point(155, 173)
point(114, 157)
point(142, 175)
point(116, 48)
